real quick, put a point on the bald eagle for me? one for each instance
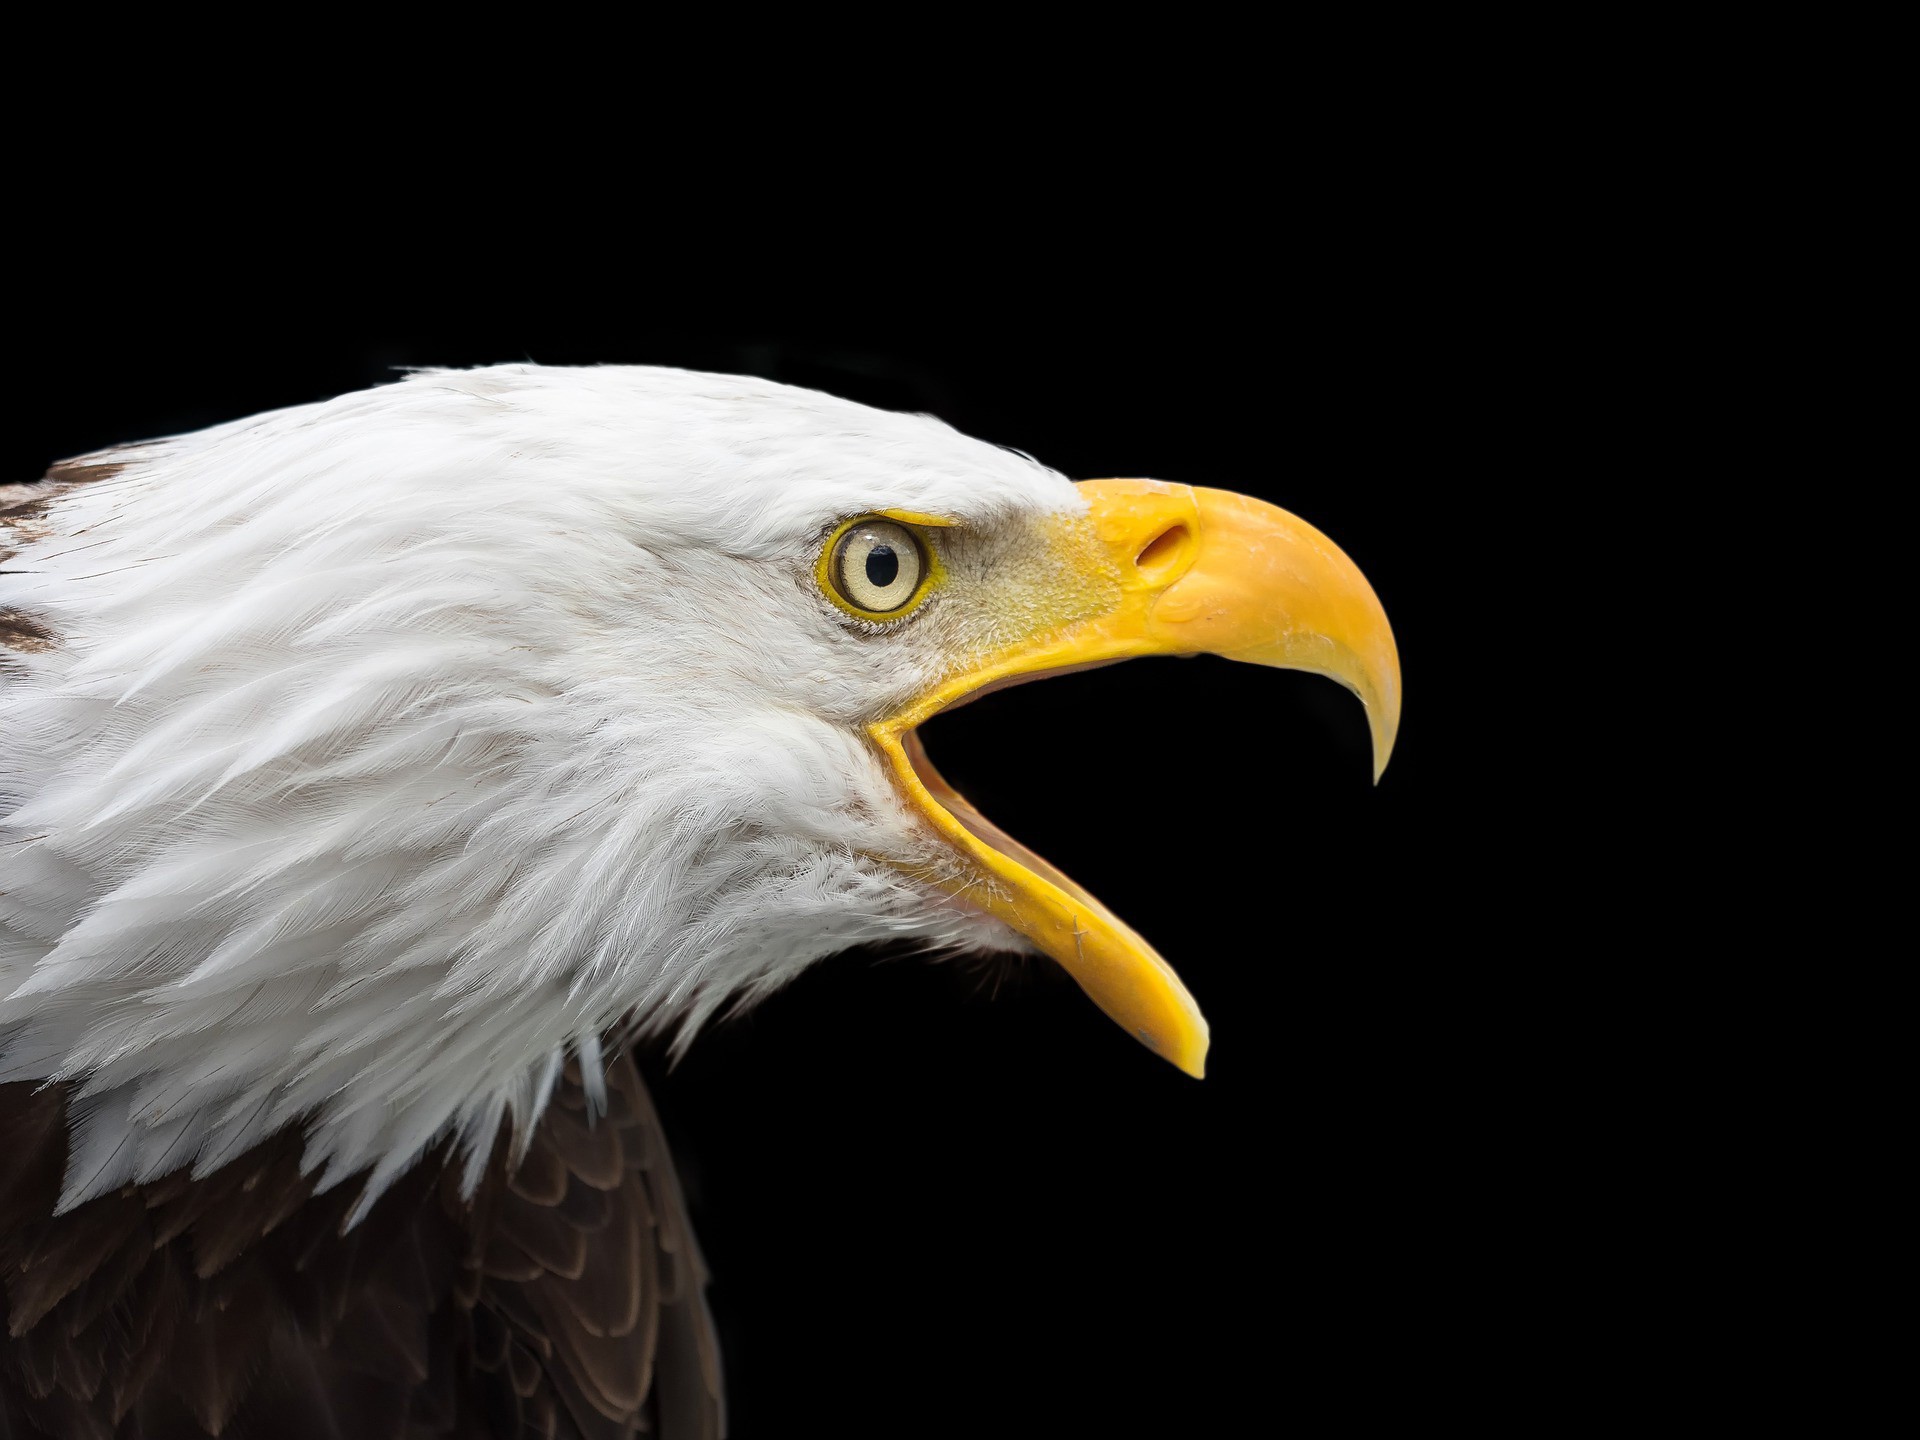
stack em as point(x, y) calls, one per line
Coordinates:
point(374, 773)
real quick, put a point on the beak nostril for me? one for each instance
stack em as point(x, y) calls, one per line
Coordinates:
point(1161, 552)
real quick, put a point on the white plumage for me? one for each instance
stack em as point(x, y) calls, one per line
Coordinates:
point(392, 747)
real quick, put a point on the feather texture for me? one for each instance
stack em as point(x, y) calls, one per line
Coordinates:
point(241, 1304)
point(364, 761)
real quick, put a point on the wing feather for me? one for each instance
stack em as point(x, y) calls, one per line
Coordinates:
point(563, 1300)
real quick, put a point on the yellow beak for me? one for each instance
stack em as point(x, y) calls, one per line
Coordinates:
point(1197, 571)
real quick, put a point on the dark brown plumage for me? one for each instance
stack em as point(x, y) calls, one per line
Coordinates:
point(565, 1300)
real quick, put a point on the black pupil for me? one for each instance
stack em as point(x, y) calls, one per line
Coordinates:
point(882, 566)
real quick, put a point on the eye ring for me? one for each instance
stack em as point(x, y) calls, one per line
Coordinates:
point(876, 568)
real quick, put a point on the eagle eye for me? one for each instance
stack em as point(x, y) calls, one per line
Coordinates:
point(874, 567)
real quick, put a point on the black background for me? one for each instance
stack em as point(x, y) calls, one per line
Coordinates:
point(941, 1200)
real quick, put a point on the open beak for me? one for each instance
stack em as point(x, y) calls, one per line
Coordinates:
point(1198, 571)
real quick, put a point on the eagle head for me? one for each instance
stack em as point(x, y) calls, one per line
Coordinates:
point(372, 757)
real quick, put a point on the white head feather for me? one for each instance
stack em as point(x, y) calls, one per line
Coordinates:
point(394, 746)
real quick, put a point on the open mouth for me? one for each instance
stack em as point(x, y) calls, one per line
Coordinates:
point(969, 818)
point(1246, 581)
point(1123, 974)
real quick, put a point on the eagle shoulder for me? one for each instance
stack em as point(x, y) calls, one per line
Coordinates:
point(565, 1299)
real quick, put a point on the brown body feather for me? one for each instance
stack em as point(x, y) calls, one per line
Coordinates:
point(565, 1300)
